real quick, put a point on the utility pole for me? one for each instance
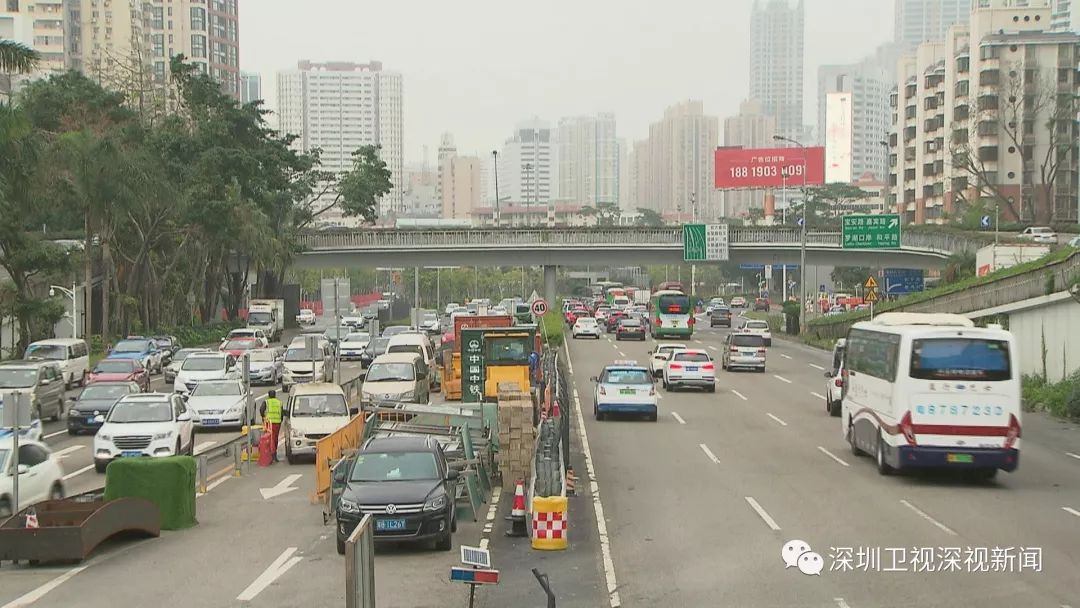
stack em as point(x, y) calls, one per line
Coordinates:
point(495, 156)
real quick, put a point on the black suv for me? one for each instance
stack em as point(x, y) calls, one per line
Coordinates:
point(405, 484)
point(721, 315)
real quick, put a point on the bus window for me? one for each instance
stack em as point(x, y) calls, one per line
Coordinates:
point(674, 305)
point(960, 359)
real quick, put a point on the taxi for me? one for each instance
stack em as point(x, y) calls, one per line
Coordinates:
point(624, 387)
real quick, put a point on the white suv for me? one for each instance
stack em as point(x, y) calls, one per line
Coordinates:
point(586, 326)
point(761, 328)
point(690, 367)
point(144, 424)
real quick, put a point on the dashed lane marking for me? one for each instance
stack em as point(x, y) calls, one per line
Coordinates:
point(781, 422)
point(840, 603)
point(739, 395)
point(816, 366)
point(785, 356)
point(1071, 510)
point(817, 395)
point(708, 452)
point(1070, 454)
point(676, 416)
point(489, 524)
point(925, 516)
point(833, 456)
point(769, 521)
point(782, 379)
point(85, 469)
point(53, 434)
point(64, 453)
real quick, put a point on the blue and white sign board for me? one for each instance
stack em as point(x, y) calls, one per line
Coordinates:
point(985, 222)
point(900, 281)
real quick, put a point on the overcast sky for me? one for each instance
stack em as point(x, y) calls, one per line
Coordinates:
point(474, 68)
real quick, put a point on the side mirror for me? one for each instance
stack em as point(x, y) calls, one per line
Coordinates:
point(46, 382)
point(829, 374)
point(71, 399)
point(452, 474)
point(185, 417)
point(340, 473)
point(23, 469)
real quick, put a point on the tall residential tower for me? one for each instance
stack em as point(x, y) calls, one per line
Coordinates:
point(776, 62)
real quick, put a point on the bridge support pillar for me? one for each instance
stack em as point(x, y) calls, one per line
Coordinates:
point(549, 285)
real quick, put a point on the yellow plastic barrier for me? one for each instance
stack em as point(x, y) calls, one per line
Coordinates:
point(549, 525)
point(329, 449)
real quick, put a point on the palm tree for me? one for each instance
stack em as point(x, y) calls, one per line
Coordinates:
point(17, 57)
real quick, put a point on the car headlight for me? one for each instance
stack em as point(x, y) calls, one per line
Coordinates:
point(348, 506)
point(407, 395)
point(104, 437)
point(163, 435)
point(295, 432)
point(434, 504)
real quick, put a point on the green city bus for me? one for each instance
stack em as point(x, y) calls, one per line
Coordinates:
point(670, 314)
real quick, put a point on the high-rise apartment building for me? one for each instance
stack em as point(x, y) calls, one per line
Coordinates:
point(460, 186)
point(869, 85)
point(750, 128)
point(250, 87)
point(1066, 17)
point(626, 176)
point(341, 106)
point(588, 159)
point(674, 167)
point(918, 21)
point(447, 149)
point(776, 62)
point(527, 166)
point(978, 120)
point(41, 25)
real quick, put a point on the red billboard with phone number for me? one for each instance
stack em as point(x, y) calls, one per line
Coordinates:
point(765, 167)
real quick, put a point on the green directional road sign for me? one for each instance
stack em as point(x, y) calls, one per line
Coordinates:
point(880, 231)
point(705, 242)
point(472, 365)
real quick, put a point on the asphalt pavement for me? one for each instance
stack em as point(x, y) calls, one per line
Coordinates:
point(699, 505)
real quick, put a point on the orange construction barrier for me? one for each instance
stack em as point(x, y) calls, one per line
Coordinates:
point(329, 449)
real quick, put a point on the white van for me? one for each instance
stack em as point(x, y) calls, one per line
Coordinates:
point(71, 354)
point(312, 412)
point(932, 390)
point(415, 343)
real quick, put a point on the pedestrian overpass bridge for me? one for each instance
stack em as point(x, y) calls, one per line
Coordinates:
point(622, 246)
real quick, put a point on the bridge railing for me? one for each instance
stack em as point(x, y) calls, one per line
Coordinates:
point(668, 236)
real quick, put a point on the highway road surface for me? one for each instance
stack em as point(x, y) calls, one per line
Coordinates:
point(698, 506)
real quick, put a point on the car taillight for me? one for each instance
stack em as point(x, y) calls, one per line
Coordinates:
point(907, 429)
point(1013, 433)
point(708, 366)
point(676, 366)
point(838, 382)
point(691, 321)
point(658, 320)
point(734, 349)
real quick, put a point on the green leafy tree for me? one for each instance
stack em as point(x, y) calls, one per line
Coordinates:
point(649, 217)
point(17, 57)
point(846, 277)
point(361, 188)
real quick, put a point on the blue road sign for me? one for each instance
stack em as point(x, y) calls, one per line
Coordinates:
point(801, 221)
point(985, 222)
point(775, 267)
point(900, 281)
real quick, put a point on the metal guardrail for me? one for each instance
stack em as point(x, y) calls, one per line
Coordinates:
point(649, 237)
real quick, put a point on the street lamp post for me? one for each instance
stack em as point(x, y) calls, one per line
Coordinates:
point(528, 199)
point(74, 305)
point(805, 220)
point(495, 156)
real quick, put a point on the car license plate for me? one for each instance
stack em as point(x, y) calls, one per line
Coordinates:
point(691, 369)
point(130, 454)
point(627, 391)
point(960, 458)
point(390, 524)
point(210, 421)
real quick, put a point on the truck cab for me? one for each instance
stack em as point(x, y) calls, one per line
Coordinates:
point(267, 315)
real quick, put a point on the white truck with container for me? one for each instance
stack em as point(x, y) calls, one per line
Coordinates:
point(267, 315)
point(995, 257)
point(641, 296)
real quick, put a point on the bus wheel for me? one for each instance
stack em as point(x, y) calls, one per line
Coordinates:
point(851, 441)
point(882, 466)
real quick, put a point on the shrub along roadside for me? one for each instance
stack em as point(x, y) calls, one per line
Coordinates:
point(551, 328)
point(189, 337)
point(1059, 398)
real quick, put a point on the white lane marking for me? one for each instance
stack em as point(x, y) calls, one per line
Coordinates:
point(61, 454)
point(40, 592)
point(615, 346)
point(280, 566)
point(923, 515)
point(817, 367)
point(708, 452)
point(782, 379)
point(1071, 510)
point(785, 356)
point(817, 395)
point(740, 395)
point(493, 511)
point(569, 361)
point(212, 485)
point(85, 469)
point(712, 347)
point(598, 506)
point(769, 521)
point(1076, 456)
point(204, 446)
point(782, 423)
point(622, 354)
point(833, 456)
point(678, 417)
point(840, 603)
point(53, 434)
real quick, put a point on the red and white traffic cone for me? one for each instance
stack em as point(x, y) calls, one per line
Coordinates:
point(517, 512)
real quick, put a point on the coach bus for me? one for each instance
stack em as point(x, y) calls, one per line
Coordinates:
point(931, 390)
point(670, 314)
point(671, 286)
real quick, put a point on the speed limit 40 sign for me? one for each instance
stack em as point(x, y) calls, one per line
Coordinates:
point(539, 308)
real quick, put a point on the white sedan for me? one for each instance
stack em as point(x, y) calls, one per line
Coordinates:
point(352, 345)
point(586, 326)
point(659, 357)
point(761, 328)
point(40, 475)
point(219, 403)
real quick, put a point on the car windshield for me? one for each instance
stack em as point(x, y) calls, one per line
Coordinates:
point(391, 372)
point(395, 466)
point(336, 333)
point(241, 333)
point(104, 391)
point(378, 346)
point(183, 354)
point(17, 378)
point(721, 311)
point(239, 345)
point(960, 359)
point(114, 367)
point(691, 357)
point(747, 340)
point(430, 317)
point(260, 318)
point(586, 321)
point(131, 346)
point(298, 354)
point(357, 337)
point(406, 348)
point(217, 389)
point(626, 376)
point(141, 411)
point(47, 351)
point(203, 364)
point(318, 405)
